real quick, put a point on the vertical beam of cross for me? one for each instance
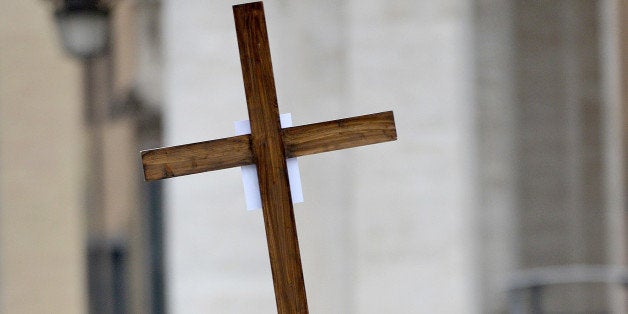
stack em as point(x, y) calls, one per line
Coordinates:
point(268, 149)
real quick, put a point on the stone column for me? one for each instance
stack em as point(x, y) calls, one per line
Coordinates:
point(308, 42)
point(494, 64)
point(562, 209)
point(413, 200)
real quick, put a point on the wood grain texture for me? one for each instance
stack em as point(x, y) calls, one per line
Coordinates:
point(268, 146)
point(187, 159)
point(298, 141)
point(268, 149)
point(339, 134)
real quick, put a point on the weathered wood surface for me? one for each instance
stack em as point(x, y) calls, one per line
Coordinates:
point(298, 141)
point(268, 148)
point(181, 160)
point(339, 134)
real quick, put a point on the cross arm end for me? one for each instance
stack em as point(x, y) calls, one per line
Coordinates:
point(162, 163)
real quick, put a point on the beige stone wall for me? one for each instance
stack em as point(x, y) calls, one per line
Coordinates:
point(41, 219)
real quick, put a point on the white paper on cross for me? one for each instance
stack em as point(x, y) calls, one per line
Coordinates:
point(249, 173)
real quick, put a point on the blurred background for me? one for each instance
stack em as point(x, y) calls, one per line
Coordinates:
point(505, 192)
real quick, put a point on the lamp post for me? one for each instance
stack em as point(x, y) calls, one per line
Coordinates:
point(84, 29)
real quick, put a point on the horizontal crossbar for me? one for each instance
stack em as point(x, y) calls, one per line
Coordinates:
point(162, 163)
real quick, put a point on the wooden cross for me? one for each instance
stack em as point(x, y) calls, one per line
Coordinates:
point(268, 146)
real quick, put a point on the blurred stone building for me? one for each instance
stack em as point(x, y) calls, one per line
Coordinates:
point(505, 192)
point(80, 231)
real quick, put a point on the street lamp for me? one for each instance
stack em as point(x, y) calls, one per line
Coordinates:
point(83, 26)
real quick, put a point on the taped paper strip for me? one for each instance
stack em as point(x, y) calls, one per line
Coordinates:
point(249, 173)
